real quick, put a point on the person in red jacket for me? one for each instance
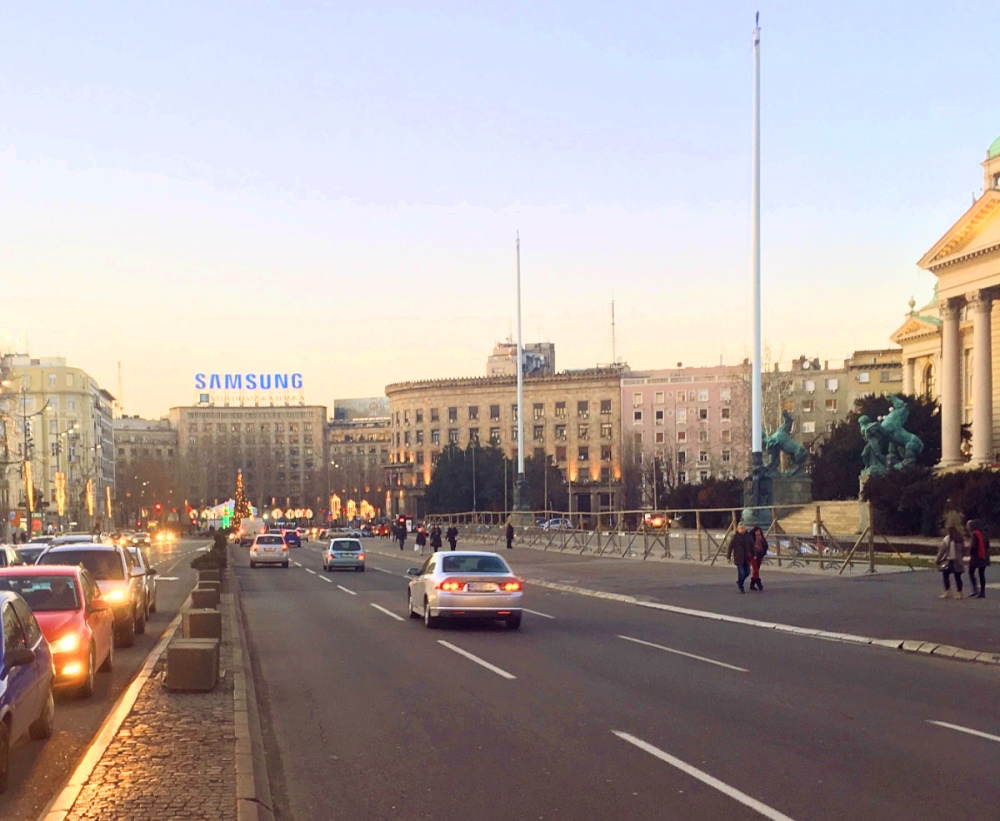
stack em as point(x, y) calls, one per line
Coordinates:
point(759, 552)
point(979, 556)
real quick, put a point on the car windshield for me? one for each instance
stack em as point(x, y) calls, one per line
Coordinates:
point(269, 540)
point(44, 594)
point(30, 553)
point(474, 564)
point(103, 565)
point(345, 546)
point(135, 555)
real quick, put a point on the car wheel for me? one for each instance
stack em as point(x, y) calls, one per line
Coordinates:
point(514, 622)
point(284, 564)
point(109, 661)
point(152, 604)
point(4, 754)
point(126, 635)
point(253, 563)
point(409, 606)
point(140, 621)
point(429, 620)
point(42, 726)
point(87, 685)
point(360, 569)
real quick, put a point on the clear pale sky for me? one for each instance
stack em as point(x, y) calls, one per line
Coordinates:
point(334, 188)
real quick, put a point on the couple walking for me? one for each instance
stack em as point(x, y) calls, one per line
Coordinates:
point(951, 559)
point(747, 550)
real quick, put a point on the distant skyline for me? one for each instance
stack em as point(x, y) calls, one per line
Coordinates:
point(335, 190)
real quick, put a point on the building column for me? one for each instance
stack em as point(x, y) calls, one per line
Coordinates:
point(951, 383)
point(909, 381)
point(982, 376)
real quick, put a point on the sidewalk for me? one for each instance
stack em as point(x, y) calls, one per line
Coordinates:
point(173, 755)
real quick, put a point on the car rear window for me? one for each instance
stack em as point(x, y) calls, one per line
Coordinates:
point(473, 564)
point(269, 540)
point(44, 594)
point(345, 545)
point(102, 564)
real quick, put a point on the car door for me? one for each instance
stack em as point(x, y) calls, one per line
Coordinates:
point(19, 679)
point(101, 621)
point(41, 668)
point(424, 582)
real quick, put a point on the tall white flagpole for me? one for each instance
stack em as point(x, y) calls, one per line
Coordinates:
point(518, 501)
point(755, 416)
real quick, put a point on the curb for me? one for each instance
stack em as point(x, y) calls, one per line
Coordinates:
point(253, 791)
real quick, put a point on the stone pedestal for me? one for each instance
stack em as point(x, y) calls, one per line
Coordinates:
point(192, 665)
point(758, 495)
point(208, 575)
point(202, 624)
point(791, 490)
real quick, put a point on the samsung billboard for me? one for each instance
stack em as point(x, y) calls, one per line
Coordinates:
point(248, 381)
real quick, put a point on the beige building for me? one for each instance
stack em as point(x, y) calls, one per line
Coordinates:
point(146, 468)
point(358, 440)
point(573, 417)
point(67, 417)
point(948, 350)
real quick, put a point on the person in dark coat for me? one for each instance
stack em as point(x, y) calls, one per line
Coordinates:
point(401, 535)
point(739, 552)
point(421, 539)
point(759, 552)
point(436, 538)
point(979, 556)
point(451, 535)
point(510, 535)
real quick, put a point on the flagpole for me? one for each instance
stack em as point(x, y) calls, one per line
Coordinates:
point(519, 487)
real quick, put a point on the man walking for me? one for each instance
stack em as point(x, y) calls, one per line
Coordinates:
point(452, 535)
point(740, 550)
point(510, 535)
point(435, 538)
point(401, 535)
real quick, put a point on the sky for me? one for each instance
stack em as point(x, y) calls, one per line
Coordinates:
point(335, 188)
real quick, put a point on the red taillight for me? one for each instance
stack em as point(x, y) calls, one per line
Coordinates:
point(512, 587)
point(361, 557)
point(450, 585)
point(284, 547)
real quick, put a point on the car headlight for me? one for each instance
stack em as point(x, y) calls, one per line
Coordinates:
point(116, 595)
point(66, 644)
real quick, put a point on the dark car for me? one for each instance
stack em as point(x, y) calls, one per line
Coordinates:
point(122, 584)
point(292, 538)
point(26, 675)
point(29, 553)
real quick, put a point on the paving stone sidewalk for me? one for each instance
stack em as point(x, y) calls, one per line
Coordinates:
point(174, 756)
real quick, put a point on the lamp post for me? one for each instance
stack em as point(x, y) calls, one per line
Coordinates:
point(60, 476)
point(29, 486)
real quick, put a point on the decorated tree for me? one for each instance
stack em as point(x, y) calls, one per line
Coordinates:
point(241, 508)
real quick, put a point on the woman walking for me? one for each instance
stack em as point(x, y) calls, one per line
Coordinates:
point(979, 556)
point(756, 557)
point(421, 539)
point(951, 561)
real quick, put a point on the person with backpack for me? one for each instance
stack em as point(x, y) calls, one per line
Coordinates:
point(979, 556)
point(951, 561)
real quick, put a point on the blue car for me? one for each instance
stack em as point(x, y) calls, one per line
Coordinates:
point(292, 538)
point(26, 675)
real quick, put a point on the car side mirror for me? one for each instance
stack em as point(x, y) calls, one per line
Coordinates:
point(99, 604)
point(151, 571)
point(138, 571)
point(19, 657)
point(413, 571)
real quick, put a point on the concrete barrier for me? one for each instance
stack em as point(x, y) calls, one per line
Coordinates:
point(204, 584)
point(202, 624)
point(192, 664)
point(209, 576)
point(204, 599)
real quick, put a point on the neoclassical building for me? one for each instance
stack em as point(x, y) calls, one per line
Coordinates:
point(948, 345)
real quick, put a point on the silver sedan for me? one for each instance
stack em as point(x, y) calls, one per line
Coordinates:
point(345, 553)
point(465, 584)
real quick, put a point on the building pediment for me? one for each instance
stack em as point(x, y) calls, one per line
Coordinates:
point(976, 232)
point(913, 327)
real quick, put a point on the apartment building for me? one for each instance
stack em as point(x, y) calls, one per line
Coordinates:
point(358, 440)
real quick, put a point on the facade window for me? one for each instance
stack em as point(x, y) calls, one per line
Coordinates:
point(831, 405)
point(809, 386)
point(513, 433)
point(605, 430)
point(832, 384)
point(52, 380)
point(473, 413)
point(420, 457)
point(606, 474)
point(703, 395)
point(864, 377)
point(539, 433)
point(682, 415)
point(583, 409)
point(435, 437)
point(420, 437)
point(808, 427)
point(583, 453)
point(560, 433)
point(703, 475)
point(682, 457)
point(538, 410)
point(636, 399)
point(659, 437)
point(682, 436)
point(513, 412)
point(494, 413)
point(658, 398)
point(406, 419)
point(702, 455)
point(419, 416)
point(702, 414)
point(406, 438)
point(434, 415)
point(829, 427)
point(808, 406)
point(582, 432)
point(605, 453)
point(452, 414)
point(637, 439)
point(473, 435)
point(726, 413)
point(560, 453)
point(495, 436)
point(703, 436)
point(605, 407)
point(682, 477)
point(727, 435)
point(637, 416)
point(726, 394)
point(681, 396)
point(560, 410)
point(452, 436)
point(658, 417)
point(727, 456)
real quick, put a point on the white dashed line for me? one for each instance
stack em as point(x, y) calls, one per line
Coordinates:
point(310, 570)
point(962, 729)
point(705, 778)
point(341, 587)
point(387, 612)
point(476, 659)
point(383, 570)
point(536, 613)
point(686, 655)
point(296, 564)
point(324, 578)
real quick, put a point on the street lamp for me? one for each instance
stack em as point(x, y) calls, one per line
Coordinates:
point(60, 476)
point(29, 487)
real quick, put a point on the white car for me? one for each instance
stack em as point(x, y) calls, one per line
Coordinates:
point(269, 548)
point(557, 524)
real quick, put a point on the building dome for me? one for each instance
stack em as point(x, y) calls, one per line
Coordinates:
point(994, 149)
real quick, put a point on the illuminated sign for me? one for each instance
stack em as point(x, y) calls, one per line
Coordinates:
point(247, 381)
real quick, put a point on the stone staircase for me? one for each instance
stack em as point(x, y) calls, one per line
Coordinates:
point(840, 518)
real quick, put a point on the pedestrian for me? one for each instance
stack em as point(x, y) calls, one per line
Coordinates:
point(979, 556)
point(951, 561)
point(740, 550)
point(952, 518)
point(421, 539)
point(759, 552)
point(510, 535)
point(436, 537)
point(451, 534)
point(401, 535)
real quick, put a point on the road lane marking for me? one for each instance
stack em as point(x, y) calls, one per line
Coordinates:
point(387, 612)
point(168, 578)
point(705, 778)
point(296, 564)
point(382, 570)
point(962, 729)
point(688, 655)
point(341, 587)
point(476, 659)
point(324, 578)
point(310, 570)
point(536, 613)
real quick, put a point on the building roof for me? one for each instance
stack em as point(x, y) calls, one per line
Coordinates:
point(994, 149)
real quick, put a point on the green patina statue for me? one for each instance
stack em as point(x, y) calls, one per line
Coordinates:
point(888, 444)
point(781, 442)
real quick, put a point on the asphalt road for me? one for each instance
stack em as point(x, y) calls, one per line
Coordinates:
point(38, 769)
point(597, 709)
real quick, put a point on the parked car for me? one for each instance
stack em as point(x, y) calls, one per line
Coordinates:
point(465, 584)
point(269, 548)
point(346, 553)
point(76, 621)
point(149, 577)
point(122, 584)
point(26, 702)
point(9, 556)
point(557, 524)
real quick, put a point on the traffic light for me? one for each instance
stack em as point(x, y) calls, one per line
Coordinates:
point(158, 508)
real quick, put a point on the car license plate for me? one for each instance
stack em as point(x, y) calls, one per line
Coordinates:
point(481, 587)
point(270, 550)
